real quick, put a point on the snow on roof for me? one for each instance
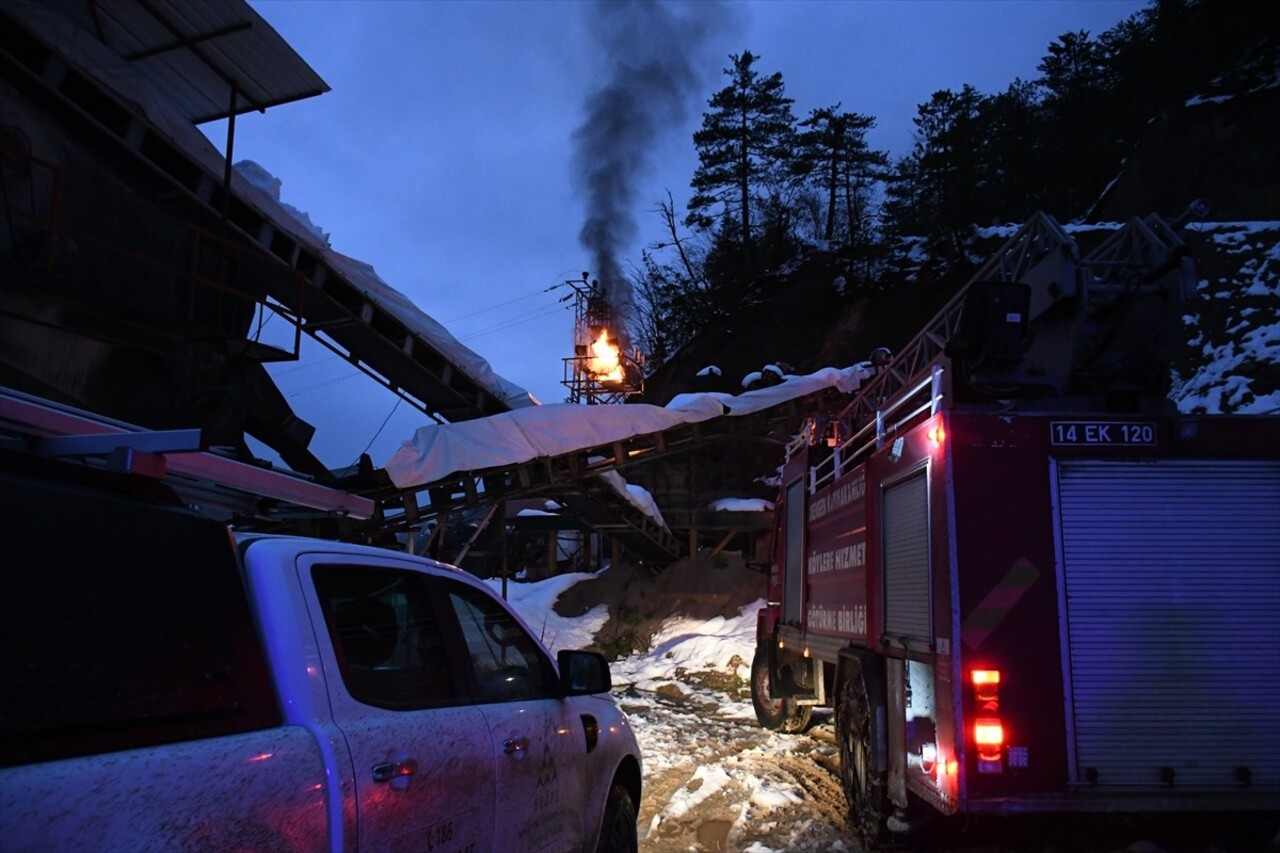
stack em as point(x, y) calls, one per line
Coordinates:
point(262, 191)
point(428, 328)
point(437, 451)
point(637, 496)
point(265, 188)
point(189, 51)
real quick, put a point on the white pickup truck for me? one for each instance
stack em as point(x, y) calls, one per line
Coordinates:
point(165, 687)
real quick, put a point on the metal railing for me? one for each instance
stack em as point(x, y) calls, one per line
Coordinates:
point(925, 396)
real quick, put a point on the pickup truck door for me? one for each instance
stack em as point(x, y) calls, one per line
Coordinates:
point(421, 751)
point(539, 742)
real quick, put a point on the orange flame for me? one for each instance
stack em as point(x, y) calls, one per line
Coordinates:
point(605, 361)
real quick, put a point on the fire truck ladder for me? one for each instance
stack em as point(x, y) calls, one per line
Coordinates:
point(1143, 256)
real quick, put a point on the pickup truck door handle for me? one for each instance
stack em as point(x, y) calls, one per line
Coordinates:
point(516, 746)
point(394, 770)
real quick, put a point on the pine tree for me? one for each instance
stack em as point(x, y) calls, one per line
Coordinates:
point(832, 152)
point(1080, 145)
point(941, 183)
point(743, 145)
point(1013, 158)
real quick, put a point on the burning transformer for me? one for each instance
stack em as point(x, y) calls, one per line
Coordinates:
point(602, 368)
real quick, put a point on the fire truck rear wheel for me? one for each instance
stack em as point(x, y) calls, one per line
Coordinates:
point(778, 715)
point(864, 787)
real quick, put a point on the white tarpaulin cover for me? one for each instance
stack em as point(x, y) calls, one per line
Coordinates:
point(437, 451)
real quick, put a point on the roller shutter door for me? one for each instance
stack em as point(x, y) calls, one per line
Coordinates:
point(906, 560)
point(1172, 577)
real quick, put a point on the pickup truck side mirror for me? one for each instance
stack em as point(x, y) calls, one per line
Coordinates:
point(583, 673)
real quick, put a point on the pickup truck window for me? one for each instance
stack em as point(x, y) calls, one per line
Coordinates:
point(125, 625)
point(506, 662)
point(386, 636)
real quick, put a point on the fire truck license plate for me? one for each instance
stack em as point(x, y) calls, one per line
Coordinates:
point(1102, 432)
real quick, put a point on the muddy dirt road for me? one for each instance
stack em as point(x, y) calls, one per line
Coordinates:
point(716, 781)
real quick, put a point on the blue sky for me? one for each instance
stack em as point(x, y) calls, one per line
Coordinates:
point(444, 155)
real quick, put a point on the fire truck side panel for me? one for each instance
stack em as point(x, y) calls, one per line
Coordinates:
point(836, 560)
point(904, 511)
point(1139, 720)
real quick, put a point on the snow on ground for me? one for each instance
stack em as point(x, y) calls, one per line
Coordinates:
point(691, 646)
point(1234, 325)
point(535, 604)
point(713, 778)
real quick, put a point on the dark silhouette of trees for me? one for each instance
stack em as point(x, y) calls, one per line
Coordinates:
point(767, 184)
point(673, 300)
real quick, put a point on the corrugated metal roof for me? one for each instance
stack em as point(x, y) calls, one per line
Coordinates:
point(196, 50)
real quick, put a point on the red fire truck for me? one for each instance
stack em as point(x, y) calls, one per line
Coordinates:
point(1022, 582)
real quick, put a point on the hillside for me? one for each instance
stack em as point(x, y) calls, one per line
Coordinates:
point(1219, 146)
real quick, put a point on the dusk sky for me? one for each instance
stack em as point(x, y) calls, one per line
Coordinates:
point(445, 155)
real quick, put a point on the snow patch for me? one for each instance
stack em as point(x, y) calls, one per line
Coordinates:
point(705, 782)
point(535, 603)
point(271, 185)
point(687, 644)
point(742, 505)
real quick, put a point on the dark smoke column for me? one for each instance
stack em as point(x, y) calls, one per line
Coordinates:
point(650, 61)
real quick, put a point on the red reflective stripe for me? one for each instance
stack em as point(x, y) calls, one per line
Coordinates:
point(997, 603)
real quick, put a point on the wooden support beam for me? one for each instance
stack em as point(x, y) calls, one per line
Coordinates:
point(723, 542)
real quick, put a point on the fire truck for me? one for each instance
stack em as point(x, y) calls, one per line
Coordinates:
point(1023, 582)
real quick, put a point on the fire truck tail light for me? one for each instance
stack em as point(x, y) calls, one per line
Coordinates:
point(937, 434)
point(985, 676)
point(988, 735)
point(986, 685)
point(988, 729)
point(988, 732)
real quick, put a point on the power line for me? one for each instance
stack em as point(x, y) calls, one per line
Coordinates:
point(385, 421)
point(324, 358)
point(495, 306)
point(324, 384)
point(514, 321)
